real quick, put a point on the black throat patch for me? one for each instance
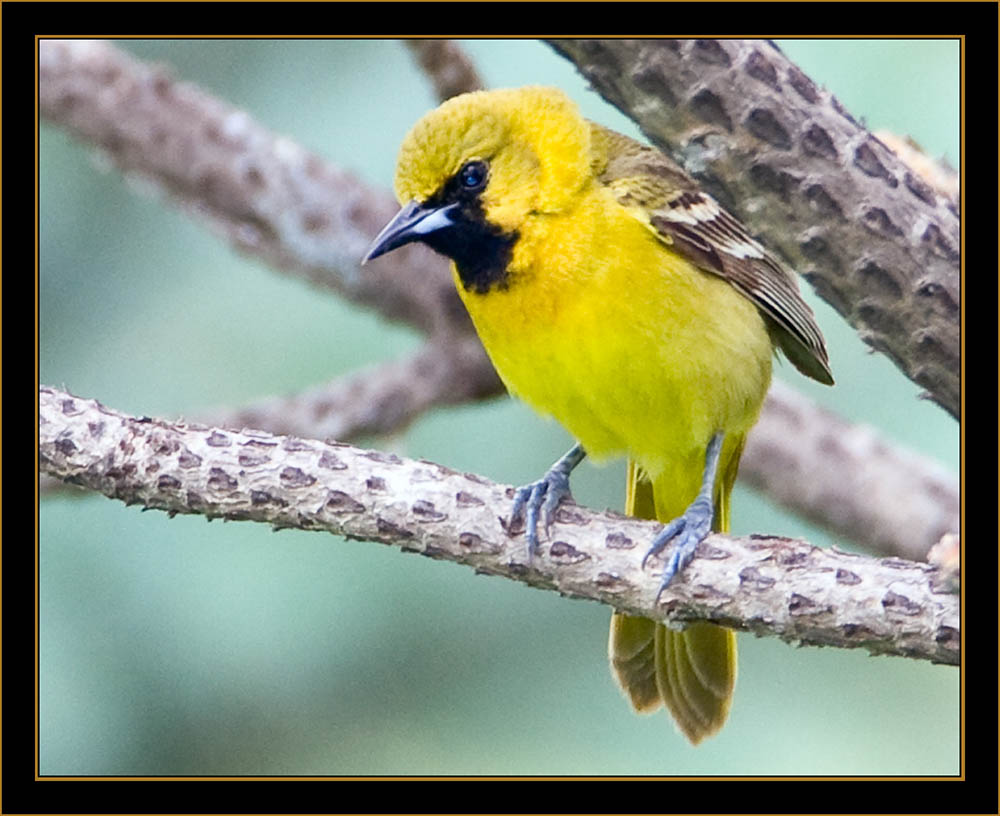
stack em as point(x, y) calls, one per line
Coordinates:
point(481, 250)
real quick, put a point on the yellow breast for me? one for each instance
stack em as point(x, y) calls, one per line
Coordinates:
point(627, 344)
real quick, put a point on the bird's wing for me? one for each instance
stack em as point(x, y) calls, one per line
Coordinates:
point(692, 223)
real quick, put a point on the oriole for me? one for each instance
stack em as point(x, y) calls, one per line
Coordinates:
point(614, 295)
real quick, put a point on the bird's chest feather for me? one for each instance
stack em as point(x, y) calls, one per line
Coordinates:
point(631, 348)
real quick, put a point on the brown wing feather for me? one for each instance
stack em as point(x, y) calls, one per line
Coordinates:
point(693, 223)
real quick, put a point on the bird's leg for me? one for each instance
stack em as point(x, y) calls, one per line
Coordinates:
point(545, 495)
point(688, 530)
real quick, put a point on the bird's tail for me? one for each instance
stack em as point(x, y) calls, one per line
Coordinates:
point(693, 672)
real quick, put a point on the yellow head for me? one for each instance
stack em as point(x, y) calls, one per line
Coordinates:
point(473, 171)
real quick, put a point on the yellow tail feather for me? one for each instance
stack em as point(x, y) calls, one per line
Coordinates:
point(692, 673)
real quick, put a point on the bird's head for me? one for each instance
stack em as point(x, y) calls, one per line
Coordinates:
point(472, 172)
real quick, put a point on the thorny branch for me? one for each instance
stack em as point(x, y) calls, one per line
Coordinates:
point(272, 199)
point(771, 586)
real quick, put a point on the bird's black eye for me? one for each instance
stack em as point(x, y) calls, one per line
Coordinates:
point(473, 175)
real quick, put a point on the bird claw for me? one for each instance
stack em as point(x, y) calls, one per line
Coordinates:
point(542, 497)
point(686, 532)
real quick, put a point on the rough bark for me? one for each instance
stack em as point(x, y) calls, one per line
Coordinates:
point(774, 586)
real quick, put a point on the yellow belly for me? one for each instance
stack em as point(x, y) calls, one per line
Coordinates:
point(628, 345)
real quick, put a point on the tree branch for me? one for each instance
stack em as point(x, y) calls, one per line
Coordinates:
point(379, 400)
point(873, 238)
point(848, 477)
point(774, 586)
point(446, 65)
point(262, 192)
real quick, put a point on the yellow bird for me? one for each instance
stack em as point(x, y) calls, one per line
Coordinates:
point(614, 295)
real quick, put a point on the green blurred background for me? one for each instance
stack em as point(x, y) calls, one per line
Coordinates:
point(175, 646)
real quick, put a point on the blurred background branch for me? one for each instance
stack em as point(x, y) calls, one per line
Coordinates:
point(264, 193)
point(447, 66)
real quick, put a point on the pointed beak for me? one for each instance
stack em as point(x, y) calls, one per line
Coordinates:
point(412, 223)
